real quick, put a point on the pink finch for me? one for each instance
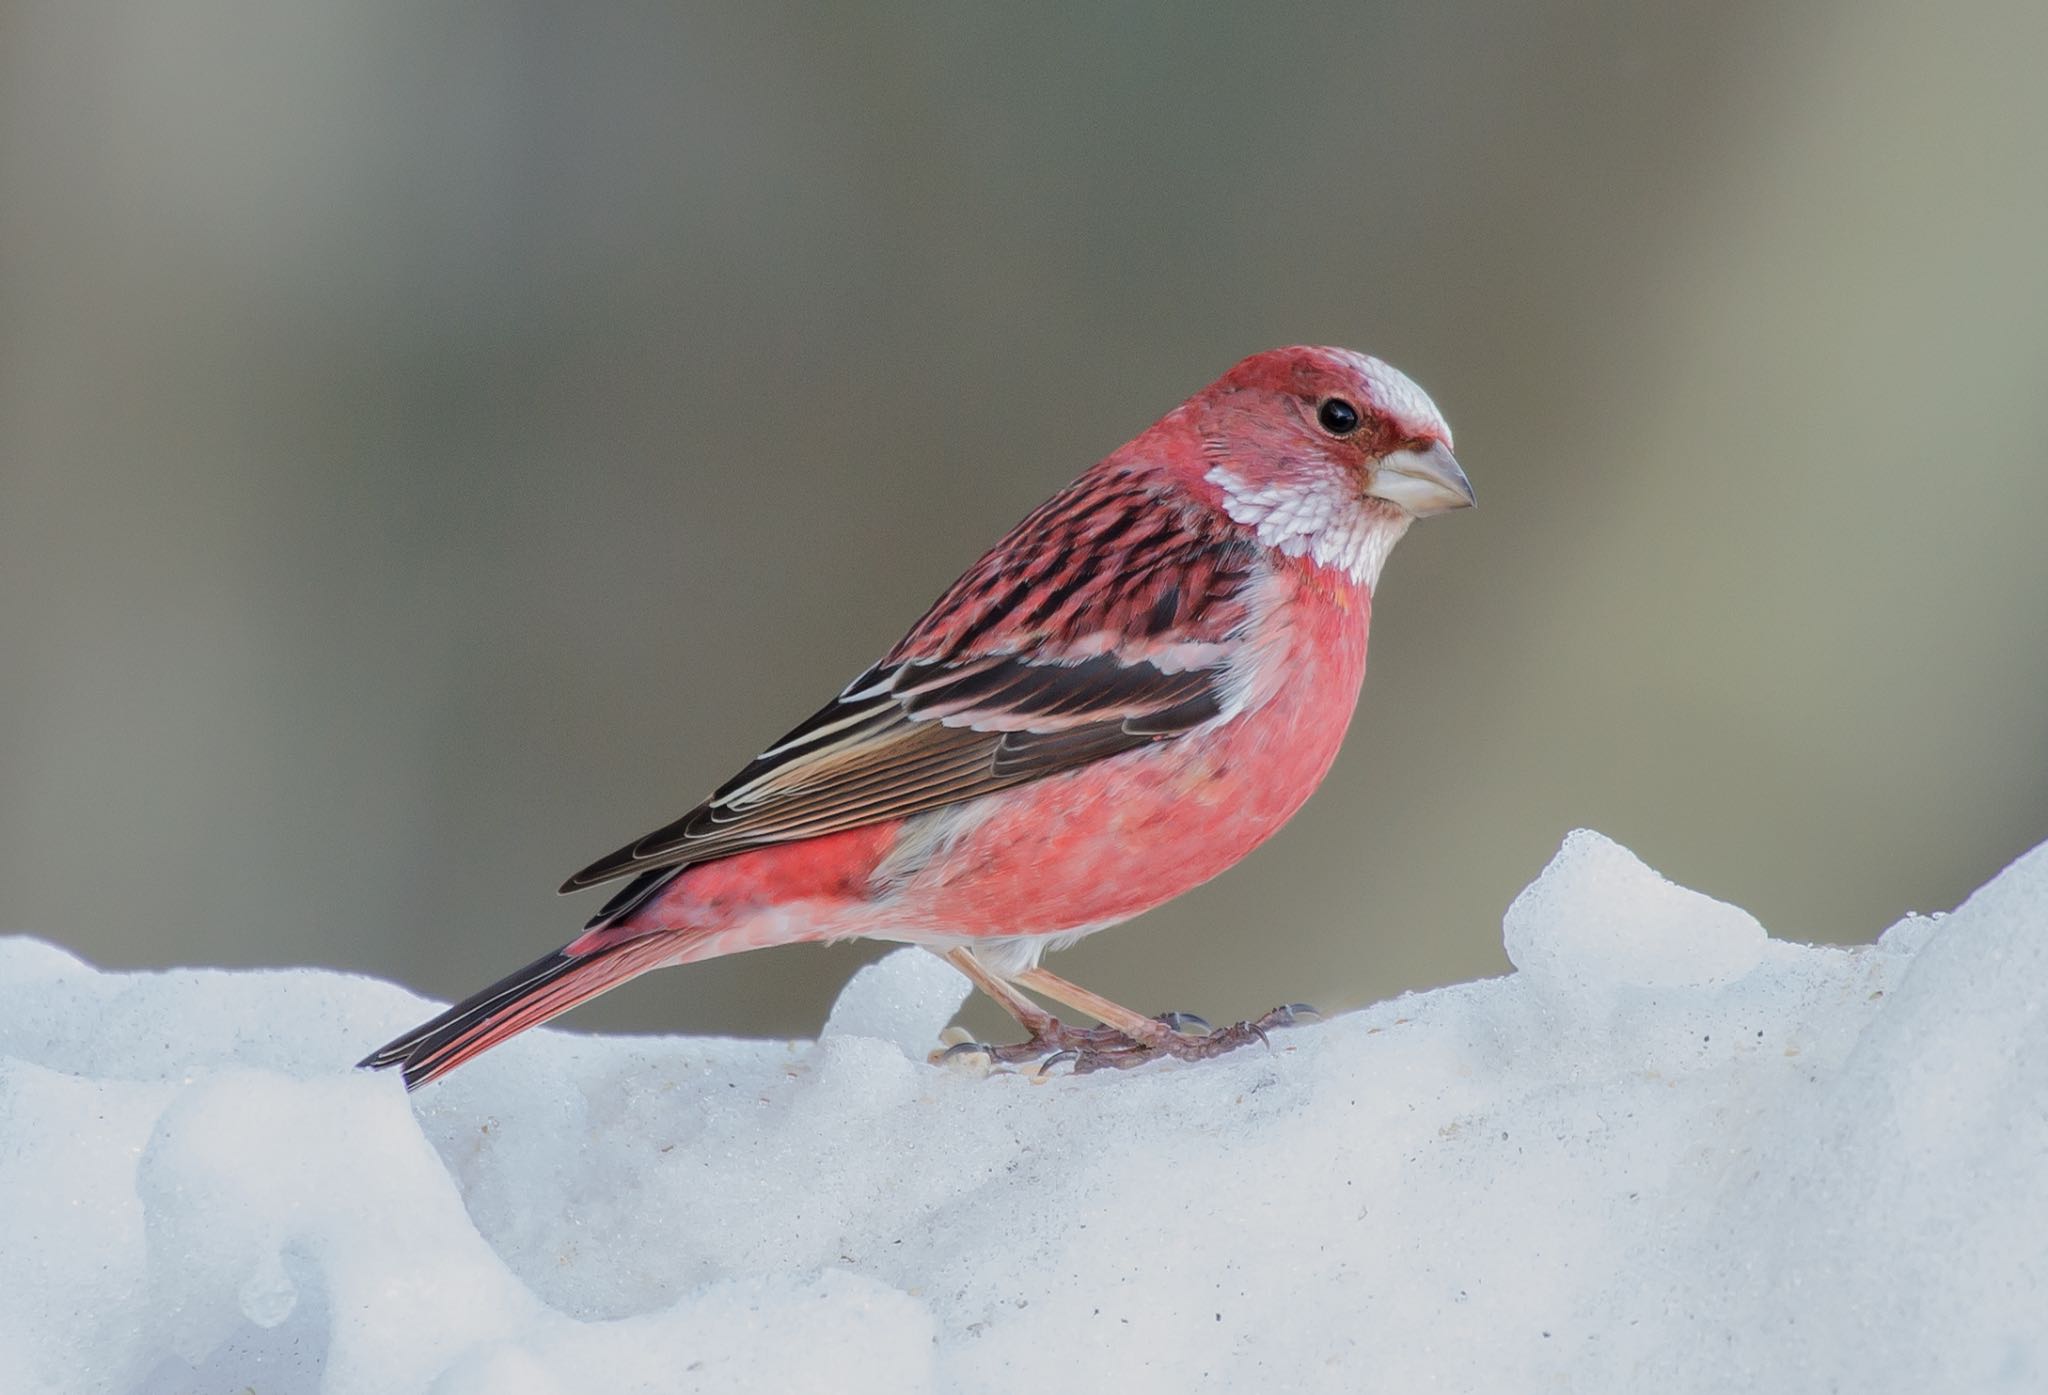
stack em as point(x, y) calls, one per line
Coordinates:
point(1131, 691)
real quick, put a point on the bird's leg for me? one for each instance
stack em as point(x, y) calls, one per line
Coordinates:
point(1135, 1025)
point(1147, 1038)
point(1048, 1035)
point(1029, 1015)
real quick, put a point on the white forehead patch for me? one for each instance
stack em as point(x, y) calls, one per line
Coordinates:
point(1317, 517)
point(1396, 395)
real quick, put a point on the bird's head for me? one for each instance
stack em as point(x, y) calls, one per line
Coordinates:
point(1324, 454)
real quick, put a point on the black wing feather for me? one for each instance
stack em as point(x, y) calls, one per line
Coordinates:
point(941, 727)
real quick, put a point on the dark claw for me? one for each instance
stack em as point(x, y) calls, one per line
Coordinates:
point(1060, 1058)
point(968, 1048)
point(1181, 1021)
point(1290, 1015)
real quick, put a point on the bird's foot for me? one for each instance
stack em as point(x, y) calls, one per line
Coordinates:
point(1050, 1043)
point(1184, 1045)
point(1180, 1035)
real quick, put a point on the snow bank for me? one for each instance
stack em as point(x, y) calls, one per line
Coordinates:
point(1667, 1154)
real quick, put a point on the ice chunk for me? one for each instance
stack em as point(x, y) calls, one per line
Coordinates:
point(905, 999)
point(1598, 917)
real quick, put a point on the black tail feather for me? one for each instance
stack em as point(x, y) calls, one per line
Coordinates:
point(436, 1046)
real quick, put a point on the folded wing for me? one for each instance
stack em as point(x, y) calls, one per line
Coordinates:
point(1103, 623)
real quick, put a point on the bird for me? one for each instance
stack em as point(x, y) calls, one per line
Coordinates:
point(1132, 690)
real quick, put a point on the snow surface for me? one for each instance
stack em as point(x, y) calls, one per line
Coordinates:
point(1667, 1154)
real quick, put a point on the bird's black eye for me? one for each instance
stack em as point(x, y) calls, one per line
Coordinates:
point(1337, 416)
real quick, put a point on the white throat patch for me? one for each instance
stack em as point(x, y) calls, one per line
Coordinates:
point(1318, 518)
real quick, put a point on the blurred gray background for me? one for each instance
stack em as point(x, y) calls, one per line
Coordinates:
point(437, 445)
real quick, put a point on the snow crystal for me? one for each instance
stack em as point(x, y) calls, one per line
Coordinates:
point(1668, 1153)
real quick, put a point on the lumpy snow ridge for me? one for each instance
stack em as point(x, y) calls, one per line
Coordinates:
point(1667, 1153)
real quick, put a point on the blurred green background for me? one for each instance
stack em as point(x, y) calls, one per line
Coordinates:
point(438, 444)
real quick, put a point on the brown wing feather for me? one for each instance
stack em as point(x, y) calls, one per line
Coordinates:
point(928, 753)
point(1013, 691)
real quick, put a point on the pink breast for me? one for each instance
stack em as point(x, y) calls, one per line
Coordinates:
point(1119, 837)
point(1085, 849)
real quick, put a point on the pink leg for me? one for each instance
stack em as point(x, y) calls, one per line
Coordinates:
point(1049, 1036)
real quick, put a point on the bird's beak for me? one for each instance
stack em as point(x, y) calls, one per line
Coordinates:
point(1422, 481)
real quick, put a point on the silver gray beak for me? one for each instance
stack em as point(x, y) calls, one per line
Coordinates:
point(1422, 481)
